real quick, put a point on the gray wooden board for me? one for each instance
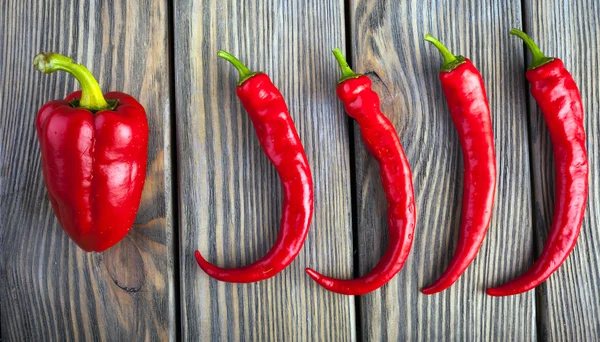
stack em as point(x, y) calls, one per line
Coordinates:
point(387, 44)
point(49, 288)
point(568, 301)
point(229, 194)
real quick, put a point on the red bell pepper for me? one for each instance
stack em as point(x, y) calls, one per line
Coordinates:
point(94, 153)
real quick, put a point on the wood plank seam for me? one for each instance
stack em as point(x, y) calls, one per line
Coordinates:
point(536, 252)
point(353, 180)
point(174, 173)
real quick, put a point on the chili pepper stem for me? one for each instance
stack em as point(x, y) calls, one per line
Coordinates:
point(347, 72)
point(450, 60)
point(537, 57)
point(244, 72)
point(91, 94)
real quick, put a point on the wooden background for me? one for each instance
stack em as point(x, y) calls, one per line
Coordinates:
point(209, 186)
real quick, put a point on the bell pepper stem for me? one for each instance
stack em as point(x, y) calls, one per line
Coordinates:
point(91, 94)
point(244, 72)
point(537, 57)
point(347, 72)
point(450, 60)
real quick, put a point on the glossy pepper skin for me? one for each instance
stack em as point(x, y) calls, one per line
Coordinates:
point(468, 104)
point(380, 138)
point(93, 161)
point(556, 93)
point(280, 142)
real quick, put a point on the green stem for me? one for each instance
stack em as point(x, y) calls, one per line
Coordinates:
point(450, 60)
point(245, 73)
point(347, 72)
point(91, 94)
point(537, 57)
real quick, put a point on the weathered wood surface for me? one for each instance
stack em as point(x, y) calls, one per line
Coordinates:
point(388, 46)
point(229, 194)
point(568, 302)
point(49, 288)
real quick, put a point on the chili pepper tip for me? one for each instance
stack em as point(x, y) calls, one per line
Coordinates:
point(430, 290)
point(503, 291)
point(316, 276)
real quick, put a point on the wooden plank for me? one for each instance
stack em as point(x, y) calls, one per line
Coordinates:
point(230, 197)
point(49, 288)
point(388, 46)
point(568, 301)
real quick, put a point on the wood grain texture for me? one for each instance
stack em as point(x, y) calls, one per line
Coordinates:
point(568, 301)
point(388, 46)
point(49, 288)
point(229, 194)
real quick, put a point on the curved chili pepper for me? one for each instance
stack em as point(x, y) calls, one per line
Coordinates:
point(280, 142)
point(556, 93)
point(470, 112)
point(94, 151)
point(380, 137)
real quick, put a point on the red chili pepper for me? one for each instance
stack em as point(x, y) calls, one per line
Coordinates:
point(380, 137)
point(94, 153)
point(555, 91)
point(280, 142)
point(470, 112)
